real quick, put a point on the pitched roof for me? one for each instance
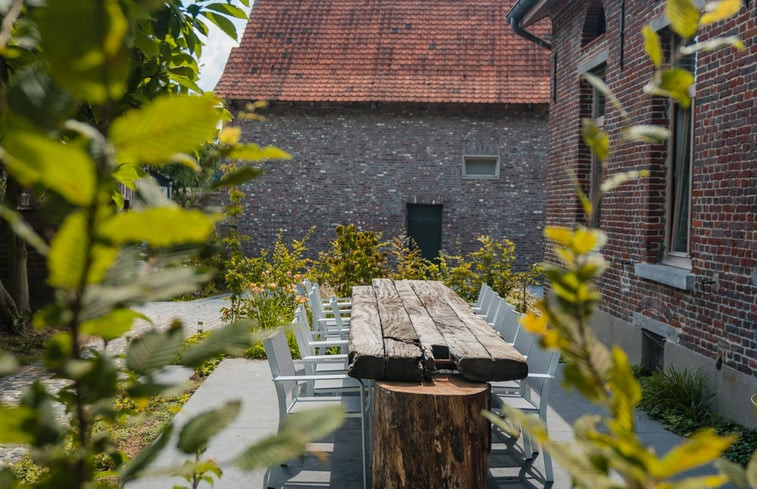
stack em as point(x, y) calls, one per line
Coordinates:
point(436, 51)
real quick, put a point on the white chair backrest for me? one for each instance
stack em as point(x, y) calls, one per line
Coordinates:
point(524, 341)
point(316, 307)
point(307, 285)
point(508, 323)
point(302, 331)
point(486, 301)
point(541, 361)
point(496, 304)
point(337, 318)
point(281, 364)
point(481, 294)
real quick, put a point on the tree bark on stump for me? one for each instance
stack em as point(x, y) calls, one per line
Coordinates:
point(430, 434)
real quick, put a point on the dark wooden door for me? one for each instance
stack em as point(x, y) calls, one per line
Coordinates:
point(424, 225)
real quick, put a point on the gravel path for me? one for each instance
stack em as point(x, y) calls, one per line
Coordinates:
point(161, 315)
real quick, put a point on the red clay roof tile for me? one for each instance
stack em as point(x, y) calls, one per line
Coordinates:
point(440, 51)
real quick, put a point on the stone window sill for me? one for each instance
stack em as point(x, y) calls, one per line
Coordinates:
point(665, 274)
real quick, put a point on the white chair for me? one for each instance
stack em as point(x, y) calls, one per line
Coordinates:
point(482, 291)
point(326, 323)
point(345, 303)
point(532, 396)
point(291, 397)
point(494, 309)
point(483, 304)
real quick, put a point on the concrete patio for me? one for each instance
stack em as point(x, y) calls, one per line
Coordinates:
point(337, 463)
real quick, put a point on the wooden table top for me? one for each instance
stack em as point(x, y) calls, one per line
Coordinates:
point(406, 330)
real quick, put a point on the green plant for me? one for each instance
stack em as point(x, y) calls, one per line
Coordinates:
point(407, 261)
point(607, 452)
point(355, 258)
point(91, 123)
point(678, 398)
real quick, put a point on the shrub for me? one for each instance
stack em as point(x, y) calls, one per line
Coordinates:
point(355, 258)
point(678, 398)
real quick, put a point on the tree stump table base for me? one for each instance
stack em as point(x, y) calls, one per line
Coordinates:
point(430, 434)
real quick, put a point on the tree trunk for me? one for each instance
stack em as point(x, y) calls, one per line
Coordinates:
point(431, 434)
point(17, 252)
point(8, 310)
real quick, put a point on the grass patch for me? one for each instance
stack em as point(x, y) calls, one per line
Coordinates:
point(679, 400)
point(28, 345)
point(143, 421)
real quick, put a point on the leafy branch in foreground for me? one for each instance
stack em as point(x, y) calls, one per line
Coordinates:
point(607, 453)
point(94, 258)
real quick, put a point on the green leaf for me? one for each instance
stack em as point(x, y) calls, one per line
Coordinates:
point(34, 158)
point(735, 472)
point(68, 253)
point(619, 179)
point(597, 139)
point(713, 45)
point(298, 430)
point(227, 9)
point(141, 461)
point(197, 431)
point(22, 229)
point(751, 471)
point(244, 174)
point(720, 10)
point(13, 423)
point(703, 447)
point(602, 88)
point(677, 82)
point(652, 45)
point(232, 339)
point(127, 175)
point(252, 152)
point(95, 67)
point(169, 125)
point(8, 363)
point(160, 227)
point(683, 16)
point(161, 285)
point(154, 350)
point(646, 133)
point(222, 23)
point(112, 325)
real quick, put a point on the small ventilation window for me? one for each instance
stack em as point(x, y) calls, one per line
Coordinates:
point(480, 166)
point(594, 23)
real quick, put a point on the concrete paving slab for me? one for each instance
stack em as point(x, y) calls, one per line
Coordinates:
point(335, 461)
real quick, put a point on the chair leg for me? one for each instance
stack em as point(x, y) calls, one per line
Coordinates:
point(528, 450)
point(548, 475)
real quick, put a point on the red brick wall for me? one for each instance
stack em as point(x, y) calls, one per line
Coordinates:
point(716, 319)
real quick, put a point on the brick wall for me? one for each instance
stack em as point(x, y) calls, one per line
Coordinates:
point(361, 164)
point(719, 318)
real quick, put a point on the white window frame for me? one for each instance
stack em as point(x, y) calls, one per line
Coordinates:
point(494, 158)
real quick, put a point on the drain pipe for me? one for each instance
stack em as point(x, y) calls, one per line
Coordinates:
point(515, 17)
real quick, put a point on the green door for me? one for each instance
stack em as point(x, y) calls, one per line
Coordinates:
point(424, 225)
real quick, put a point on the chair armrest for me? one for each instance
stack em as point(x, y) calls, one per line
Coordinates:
point(539, 376)
point(322, 358)
point(296, 378)
point(329, 343)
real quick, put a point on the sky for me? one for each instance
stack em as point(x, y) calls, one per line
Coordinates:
point(216, 51)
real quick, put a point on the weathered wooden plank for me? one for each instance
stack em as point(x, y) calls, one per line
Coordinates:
point(471, 358)
point(433, 343)
point(395, 322)
point(507, 363)
point(401, 343)
point(366, 355)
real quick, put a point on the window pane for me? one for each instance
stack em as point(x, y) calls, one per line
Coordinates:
point(481, 167)
point(681, 186)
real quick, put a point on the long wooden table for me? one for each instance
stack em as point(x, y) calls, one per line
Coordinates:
point(406, 330)
point(411, 336)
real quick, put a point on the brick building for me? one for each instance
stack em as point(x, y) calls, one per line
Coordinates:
point(682, 289)
point(430, 115)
